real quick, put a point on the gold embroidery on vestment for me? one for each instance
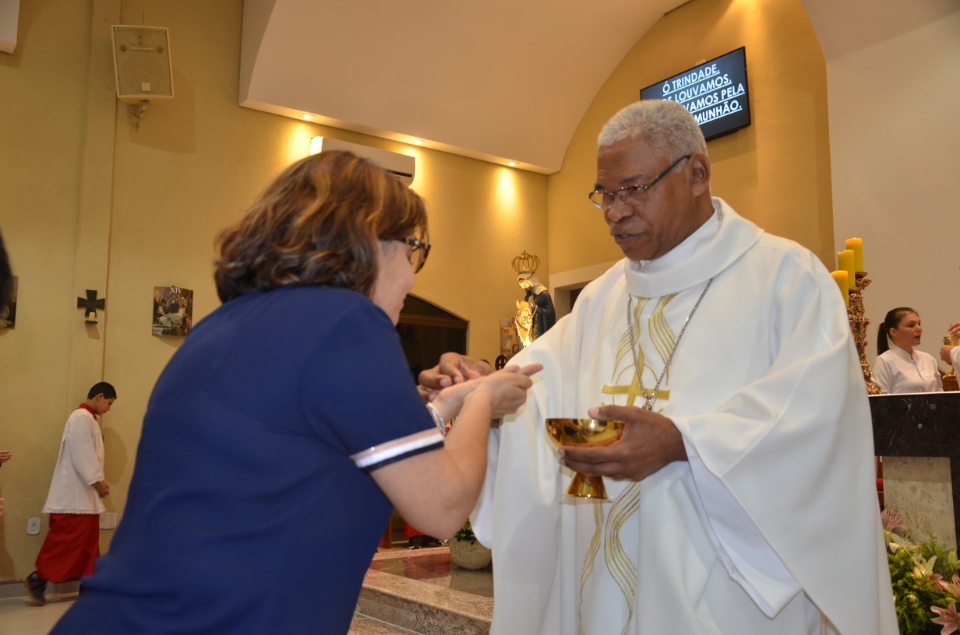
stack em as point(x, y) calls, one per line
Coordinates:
point(590, 558)
point(622, 570)
point(663, 337)
point(618, 563)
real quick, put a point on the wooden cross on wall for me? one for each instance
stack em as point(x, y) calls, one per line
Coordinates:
point(90, 304)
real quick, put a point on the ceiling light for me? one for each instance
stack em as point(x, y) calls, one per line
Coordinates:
point(306, 116)
point(512, 164)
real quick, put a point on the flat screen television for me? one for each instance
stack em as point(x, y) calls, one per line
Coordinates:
point(715, 92)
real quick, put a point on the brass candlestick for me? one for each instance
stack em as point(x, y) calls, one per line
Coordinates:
point(858, 325)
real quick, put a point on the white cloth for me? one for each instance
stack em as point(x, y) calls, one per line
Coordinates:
point(79, 466)
point(759, 532)
point(955, 358)
point(897, 371)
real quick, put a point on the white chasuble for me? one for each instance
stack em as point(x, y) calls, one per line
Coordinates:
point(771, 527)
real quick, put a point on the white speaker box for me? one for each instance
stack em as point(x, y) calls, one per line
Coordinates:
point(141, 64)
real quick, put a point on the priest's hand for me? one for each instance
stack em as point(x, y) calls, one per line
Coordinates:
point(649, 442)
point(453, 368)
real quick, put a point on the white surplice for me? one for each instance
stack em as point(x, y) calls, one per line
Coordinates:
point(79, 465)
point(771, 527)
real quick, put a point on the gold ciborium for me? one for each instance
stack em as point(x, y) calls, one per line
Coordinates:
point(584, 432)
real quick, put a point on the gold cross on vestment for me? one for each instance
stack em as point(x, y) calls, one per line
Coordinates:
point(634, 390)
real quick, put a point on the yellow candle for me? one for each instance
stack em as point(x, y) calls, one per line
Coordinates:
point(845, 263)
point(856, 244)
point(841, 279)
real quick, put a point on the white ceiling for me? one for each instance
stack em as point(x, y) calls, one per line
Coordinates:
point(497, 80)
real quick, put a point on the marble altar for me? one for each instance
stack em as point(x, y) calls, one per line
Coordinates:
point(918, 436)
point(422, 591)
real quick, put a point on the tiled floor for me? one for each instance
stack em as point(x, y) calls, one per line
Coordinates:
point(19, 618)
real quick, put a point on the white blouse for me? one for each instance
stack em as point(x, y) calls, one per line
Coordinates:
point(897, 371)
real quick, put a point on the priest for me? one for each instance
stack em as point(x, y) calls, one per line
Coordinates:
point(741, 492)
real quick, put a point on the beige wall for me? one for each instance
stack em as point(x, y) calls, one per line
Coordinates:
point(776, 172)
point(89, 202)
point(42, 95)
point(894, 135)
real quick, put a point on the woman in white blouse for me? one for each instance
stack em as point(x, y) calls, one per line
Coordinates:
point(900, 367)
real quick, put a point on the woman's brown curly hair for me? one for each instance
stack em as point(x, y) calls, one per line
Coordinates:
point(318, 223)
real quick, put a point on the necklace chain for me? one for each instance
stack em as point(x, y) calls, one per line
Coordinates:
point(650, 398)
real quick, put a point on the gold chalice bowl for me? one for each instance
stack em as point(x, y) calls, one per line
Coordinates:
point(584, 432)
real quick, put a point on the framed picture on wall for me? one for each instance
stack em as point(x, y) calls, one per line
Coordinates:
point(172, 311)
point(8, 312)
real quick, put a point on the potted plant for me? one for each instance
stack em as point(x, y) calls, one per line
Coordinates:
point(926, 581)
point(466, 552)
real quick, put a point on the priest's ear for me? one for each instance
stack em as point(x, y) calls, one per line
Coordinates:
point(700, 174)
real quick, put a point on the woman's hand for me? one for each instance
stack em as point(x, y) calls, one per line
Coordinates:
point(505, 389)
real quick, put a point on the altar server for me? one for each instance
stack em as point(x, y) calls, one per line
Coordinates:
point(742, 490)
point(72, 546)
point(287, 426)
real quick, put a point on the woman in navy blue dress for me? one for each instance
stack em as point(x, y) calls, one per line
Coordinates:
point(287, 426)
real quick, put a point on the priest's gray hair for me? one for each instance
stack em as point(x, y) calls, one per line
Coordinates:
point(665, 125)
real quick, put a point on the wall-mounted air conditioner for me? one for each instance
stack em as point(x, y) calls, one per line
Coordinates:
point(400, 165)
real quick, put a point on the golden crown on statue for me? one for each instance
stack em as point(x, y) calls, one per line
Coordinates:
point(526, 263)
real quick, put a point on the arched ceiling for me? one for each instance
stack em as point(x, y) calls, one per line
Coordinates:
point(496, 80)
point(499, 80)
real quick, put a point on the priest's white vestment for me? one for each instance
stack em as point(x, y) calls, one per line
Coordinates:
point(771, 527)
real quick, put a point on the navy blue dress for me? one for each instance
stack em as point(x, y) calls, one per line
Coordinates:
point(246, 512)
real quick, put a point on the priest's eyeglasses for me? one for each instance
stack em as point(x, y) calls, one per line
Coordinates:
point(419, 251)
point(633, 194)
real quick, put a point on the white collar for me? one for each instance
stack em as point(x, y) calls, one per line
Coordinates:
point(713, 247)
point(902, 353)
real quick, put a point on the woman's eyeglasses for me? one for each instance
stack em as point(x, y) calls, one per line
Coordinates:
point(419, 251)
